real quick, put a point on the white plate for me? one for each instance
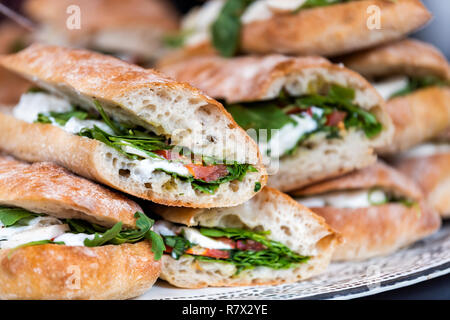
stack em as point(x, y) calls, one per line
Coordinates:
point(422, 261)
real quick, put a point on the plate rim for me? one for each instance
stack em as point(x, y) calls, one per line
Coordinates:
point(387, 285)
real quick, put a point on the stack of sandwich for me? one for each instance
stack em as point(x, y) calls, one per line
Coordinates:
point(325, 124)
point(95, 139)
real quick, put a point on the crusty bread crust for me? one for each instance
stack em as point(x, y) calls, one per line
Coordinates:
point(50, 189)
point(432, 173)
point(61, 272)
point(133, 95)
point(377, 175)
point(375, 230)
point(406, 57)
point(378, 230)
point(289, 222)
point(255, 78)
point(417, 117)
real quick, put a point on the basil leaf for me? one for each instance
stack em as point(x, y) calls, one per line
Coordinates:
point(12, 216)
point(257, 186)
point(226, 30)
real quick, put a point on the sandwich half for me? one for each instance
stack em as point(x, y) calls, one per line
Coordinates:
point(414, 78)
point(268, 240)
point(129, 128)
point(132, 30)
point(429, 165)
point(377, 210)
point(312, 119)
point(65, 237)
point(295, 27)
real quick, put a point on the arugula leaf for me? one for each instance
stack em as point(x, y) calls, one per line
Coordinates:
point(320, 3)
point(115, 127)
point(415, 84)
point(276, 256)
point(116, 235)
point(12, 216)
point(33, 243)
point(61, 118)
point(158, 246)
point(176, 40)
point(101, 239)
point(226, 30)
point(259, 116)
point(178, 244)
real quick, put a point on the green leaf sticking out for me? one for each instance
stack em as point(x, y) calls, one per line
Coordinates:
point(13, 216)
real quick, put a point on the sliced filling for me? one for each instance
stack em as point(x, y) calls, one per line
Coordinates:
point(353, 199)
point(296, 119)
point(222, 20)
point(149, 151)
point(243, 248)
point(402, 85)
point(22, 228)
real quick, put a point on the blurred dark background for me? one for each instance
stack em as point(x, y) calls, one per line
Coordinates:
point(436, 32)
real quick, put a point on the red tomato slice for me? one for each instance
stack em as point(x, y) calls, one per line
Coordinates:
point(334, 118)
point(228, 241)
point(169, 154)
point(212, 253)
point(249, 245)
point(207, 173)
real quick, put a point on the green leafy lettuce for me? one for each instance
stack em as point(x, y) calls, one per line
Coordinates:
point(15, 216)
point(275, 255)
point(415, 84)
